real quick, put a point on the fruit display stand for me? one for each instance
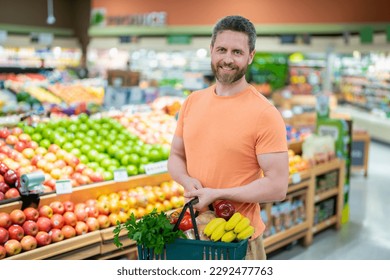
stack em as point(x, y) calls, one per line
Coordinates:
point(300, 185)
point(304, 185)
point(76, 248)
point(334, 191)
point(93, 245)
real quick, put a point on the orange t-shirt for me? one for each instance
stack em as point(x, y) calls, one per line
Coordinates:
point(222, 136)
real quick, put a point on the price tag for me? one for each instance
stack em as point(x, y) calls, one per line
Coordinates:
point(296, 178)
point(120, 175)
point(63, 186)
point(156, 167)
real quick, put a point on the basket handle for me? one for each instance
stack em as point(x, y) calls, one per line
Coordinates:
point(193, 214)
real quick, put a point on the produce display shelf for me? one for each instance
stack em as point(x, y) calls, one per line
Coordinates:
point(131, 253)
point(281, 239)
point(302, 184)
point(326, 194)
point(325, 224)
point(327, 166)
point(82, 193)
point(79, 247)
point(108, 245)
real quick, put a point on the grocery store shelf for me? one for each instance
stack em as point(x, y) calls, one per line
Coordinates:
point(326, 194)
point(325, 224)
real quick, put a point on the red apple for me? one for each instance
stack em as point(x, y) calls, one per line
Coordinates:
point(12, 193)
point(53, 148)
point(58, 207)
point(68, 205)
point(28, 243)
point(50, 157)
point(17, 216)
point(16, 232)
point(81, 214)
point(33, 145)
point(68, 231)
point(92, 211)
point(56, 235)
point(30, 227)
point(70, 218)
point(103, 207)
point(3, 252)
point(91, 202)
point(12, 247)
point(81, 228)
point(51, 183)
point(11, 140)
point(5, 220)
point(44, 224)
point(4, 235)
point(96, 177)
point(35, 158)
point(45, 211)
point(2, 196)
point(16, 131)
point(59, 163)
point(20, 146)
point(4, 132)
point(10, 178)
point(4, 187)
point(104, 221)
point(57, 221)
point(80, 167)
point(3, 167)
point(31, 213)
point(43, 238)
point(80, 205)
point(92, 223)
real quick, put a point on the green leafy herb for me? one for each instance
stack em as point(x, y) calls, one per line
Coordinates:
point(153, 231)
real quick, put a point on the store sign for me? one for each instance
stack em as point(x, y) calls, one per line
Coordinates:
point(42, 38)
point(63, 186)
point(3, 36)
point(150, 19)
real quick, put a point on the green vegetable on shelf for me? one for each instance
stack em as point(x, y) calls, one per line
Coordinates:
point(153, 231)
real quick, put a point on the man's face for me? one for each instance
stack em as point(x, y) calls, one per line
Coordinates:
point(230, 56)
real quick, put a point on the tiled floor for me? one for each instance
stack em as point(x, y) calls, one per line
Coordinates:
point(366, 236)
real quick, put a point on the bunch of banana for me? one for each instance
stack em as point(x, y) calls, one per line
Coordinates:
point(236, 228)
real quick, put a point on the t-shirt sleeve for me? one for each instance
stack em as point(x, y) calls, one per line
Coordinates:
point(272, 136)
point(180, 120)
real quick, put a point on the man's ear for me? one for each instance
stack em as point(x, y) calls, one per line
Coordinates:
point(251, 56)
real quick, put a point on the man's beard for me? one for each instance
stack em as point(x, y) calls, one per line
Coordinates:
point(228, 78)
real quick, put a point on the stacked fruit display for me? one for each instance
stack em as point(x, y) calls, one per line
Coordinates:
point(25, 230)
point(296, 163)
point(21, 154)
point(155, 127)
point(103, 145)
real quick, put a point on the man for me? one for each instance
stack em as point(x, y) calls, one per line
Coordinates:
point(230, 142)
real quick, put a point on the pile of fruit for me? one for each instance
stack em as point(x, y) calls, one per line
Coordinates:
point(236, 228)
point(297, 163)
point(30, 228)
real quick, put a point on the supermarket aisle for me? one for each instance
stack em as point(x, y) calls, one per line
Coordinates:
point(366, 235)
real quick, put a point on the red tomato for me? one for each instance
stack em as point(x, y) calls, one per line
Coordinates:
point(186, 223)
